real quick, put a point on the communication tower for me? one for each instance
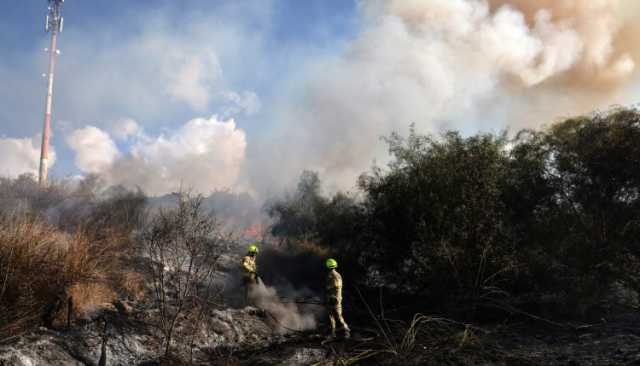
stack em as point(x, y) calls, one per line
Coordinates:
point(54, 24)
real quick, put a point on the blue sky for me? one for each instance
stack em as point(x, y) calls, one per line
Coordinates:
point(288, 21)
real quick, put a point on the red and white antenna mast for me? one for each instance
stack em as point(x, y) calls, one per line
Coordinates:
point(53, 24)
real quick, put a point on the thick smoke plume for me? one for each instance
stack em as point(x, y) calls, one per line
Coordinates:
point(601, 56)
point(463, 64)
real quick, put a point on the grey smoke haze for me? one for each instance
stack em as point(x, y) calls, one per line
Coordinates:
point(287, 314)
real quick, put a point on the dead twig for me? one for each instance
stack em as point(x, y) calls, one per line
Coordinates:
point(511, 309)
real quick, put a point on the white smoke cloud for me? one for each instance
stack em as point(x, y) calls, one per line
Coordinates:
point(125, 128)
point(203, 155)
point(191, 74)
point(457, 64)
point(21, 155)
point(95, 150)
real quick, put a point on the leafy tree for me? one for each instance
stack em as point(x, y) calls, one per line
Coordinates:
point(436, 215)
point(297, 215)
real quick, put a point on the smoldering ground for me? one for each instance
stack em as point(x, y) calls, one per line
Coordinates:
point(290, 289)
point(287, 314)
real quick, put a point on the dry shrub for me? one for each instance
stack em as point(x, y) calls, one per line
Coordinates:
point(184, 244)
point(133, 284)
point(90, 297)
point(307, 246)
point(38, 266)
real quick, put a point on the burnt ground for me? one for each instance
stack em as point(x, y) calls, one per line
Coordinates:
point(247, 337)
point(607, 343)
point(244, 339)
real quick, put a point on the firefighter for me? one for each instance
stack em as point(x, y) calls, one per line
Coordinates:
point(334, 299)
point(250, 276)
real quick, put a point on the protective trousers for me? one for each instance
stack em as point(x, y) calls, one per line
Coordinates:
point(249, 280)
point(334, 310)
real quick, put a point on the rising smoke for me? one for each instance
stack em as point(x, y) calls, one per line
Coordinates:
point(456, 64)
point(290, 287)
point(290, 276)
point(285, 312)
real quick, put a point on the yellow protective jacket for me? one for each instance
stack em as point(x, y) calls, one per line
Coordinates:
point(249, 265)
point(334, 288)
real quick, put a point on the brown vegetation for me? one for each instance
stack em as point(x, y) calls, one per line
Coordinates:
point(133, 284)
point(59, 243)
point(41, 265)
point(89, 297)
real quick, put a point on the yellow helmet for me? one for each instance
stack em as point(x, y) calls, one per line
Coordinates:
point(331, 263)
point(253, 249)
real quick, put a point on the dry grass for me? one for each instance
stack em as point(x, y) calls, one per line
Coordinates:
point(407, 342)
point(41, 265)
point(410, 343)
point(90, 297)
point(133, 284)
point(307, 246)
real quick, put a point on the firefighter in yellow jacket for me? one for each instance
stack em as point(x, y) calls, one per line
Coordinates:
point(250, 275)
point(334, 299)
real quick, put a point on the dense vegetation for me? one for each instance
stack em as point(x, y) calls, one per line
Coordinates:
point(547, 216)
